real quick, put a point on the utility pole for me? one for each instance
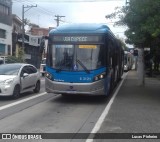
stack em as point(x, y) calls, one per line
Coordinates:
point(28, 8)
point(58, 19)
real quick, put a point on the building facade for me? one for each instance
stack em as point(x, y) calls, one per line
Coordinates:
point(17, 29)
point(16, 24)
point(36, 31)
point(5, 27)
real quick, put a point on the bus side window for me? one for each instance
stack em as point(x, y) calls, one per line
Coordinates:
point(110, 53)
point(101, 58)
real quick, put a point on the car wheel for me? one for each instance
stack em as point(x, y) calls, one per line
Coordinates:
point(16, 92)
point(37, 88)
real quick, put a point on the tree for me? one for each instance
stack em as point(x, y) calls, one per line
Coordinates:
point(142, 17)
point(122, 44)
point(33, 25)
point(26, 22)
point(13, 59)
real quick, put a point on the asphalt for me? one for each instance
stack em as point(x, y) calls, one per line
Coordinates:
point(134, 112)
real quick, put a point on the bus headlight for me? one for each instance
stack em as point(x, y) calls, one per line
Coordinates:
point(48, 75)
point(99, 77)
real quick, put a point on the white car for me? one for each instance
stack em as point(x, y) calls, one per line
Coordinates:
point(18, 78)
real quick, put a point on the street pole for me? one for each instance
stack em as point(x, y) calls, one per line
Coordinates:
point(23, 32)
point(22, 26)
point(58, 19)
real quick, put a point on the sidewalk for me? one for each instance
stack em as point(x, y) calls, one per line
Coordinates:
point(135, 110)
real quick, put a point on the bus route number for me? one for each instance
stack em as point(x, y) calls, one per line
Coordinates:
point(85, 78)
point(75, 39)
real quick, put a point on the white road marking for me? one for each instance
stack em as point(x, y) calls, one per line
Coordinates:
point(21, 101)
point(106, 110)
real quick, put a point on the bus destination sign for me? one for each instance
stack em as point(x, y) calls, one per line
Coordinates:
point(77, 38)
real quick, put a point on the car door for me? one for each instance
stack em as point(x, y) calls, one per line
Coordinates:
point(33, 75)
point(25, 80)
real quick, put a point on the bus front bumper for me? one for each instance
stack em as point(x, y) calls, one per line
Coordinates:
point(95, 88)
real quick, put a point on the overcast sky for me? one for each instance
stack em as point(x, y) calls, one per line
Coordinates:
point(83, 11)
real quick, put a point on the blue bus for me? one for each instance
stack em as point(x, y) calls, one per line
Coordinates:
point(128, 61)
point(83, 59)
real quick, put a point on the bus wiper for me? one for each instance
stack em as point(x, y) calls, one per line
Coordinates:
point(83, 66)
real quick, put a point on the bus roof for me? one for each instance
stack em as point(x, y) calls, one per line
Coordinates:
point(82, 28)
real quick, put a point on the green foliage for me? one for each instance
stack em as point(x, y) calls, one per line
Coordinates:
point(142, 17)
point(20, 53)
point(26, 22)
point(33, 25)
point(13, 59)
point(122, 44)
point(19, 59)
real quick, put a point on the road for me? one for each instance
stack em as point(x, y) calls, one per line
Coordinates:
point(50, 113)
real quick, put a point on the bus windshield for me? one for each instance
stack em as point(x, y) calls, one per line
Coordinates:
point(77, 57)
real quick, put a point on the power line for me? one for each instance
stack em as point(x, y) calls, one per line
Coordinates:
point(58, 19)
point(45, 10)
point(41, 9)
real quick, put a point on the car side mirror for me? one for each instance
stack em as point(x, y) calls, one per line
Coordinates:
point(25, 75)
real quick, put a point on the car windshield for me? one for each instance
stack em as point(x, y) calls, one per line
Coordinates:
point(77, 57)
point(9, 69)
